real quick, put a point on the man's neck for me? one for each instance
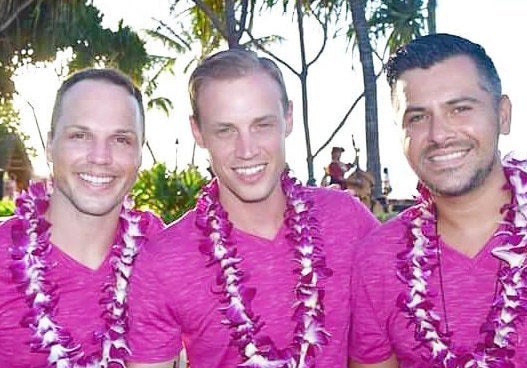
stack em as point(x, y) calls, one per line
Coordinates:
point(83, 237)
point(263, 218)
point(467, 222)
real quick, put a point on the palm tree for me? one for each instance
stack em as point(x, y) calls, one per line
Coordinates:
point(396, 21)
point(370, 91)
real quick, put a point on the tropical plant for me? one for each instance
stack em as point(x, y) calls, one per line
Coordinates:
point(167, 193)
point(398, 21)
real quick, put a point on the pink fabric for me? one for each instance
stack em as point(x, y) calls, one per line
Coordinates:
point(379, 329)
point(78, 310)
point(172, 294)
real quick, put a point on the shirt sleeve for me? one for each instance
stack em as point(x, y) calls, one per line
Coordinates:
point(369, 341)
point(154, 335)
point(366, 219)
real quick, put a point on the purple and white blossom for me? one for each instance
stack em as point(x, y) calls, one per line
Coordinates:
point(30, 267)
point(418, 261)
point(309, 334)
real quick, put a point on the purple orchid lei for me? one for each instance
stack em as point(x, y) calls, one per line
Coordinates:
point(30, 267)
point(418, 261)
point(309, 334)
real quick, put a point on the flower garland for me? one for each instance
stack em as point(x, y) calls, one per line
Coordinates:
point(30, 267)
point(417, 262)
point(309, 335)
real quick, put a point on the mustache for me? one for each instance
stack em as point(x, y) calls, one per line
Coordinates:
point(449, 146)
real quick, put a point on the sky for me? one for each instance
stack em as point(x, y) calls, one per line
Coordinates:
point(333, 85)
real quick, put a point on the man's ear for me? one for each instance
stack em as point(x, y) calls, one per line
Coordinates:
point(196, 132)
point(49, 145)
point(504, 115)
point(289, 119)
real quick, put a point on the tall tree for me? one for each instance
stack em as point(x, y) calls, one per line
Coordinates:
point(393, 22)
point(360, 24)
point(431, 7)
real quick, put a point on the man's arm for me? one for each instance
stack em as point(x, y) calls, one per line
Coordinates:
point(169, 364)
point(390, 363)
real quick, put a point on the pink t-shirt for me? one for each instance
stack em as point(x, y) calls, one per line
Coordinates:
point(380, 329)
point(172, 294)
point(78, 310)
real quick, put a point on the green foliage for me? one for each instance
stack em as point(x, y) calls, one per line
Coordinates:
point(385, 216)
point(7, 208)
point(45, 27)
point(167, 193)
point(399, 20)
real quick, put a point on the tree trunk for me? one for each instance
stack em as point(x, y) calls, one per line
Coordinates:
point(370, 88)
point(230, 25)
point(303, 82)
point(431, 16)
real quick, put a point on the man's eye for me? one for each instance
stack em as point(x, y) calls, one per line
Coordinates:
point(264, 125)
point(460, 109)
point(225, 131)
point(123, 140)
point(415, 118)
point(79, 135)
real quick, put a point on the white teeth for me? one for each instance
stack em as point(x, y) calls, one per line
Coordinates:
point(249, 170)
point(96, 180)
point(450, 156)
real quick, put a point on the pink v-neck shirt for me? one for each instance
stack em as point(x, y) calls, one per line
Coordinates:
point(173, 296)
point(380, 329)
point(79, 291)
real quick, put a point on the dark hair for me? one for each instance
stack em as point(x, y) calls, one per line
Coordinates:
point(232, 64)
point(110, 75)
point(423, 52)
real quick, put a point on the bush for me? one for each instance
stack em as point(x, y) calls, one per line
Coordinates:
point(167, 193)
point(7, 208)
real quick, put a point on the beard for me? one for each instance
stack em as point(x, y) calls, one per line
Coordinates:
point(462, 187)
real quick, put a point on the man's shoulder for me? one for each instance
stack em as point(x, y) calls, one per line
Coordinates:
point(340, 204)
point(6, 223)
point(385, 241)
point(333, 195)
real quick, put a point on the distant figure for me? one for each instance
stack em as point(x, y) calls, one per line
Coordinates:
point(337, 168)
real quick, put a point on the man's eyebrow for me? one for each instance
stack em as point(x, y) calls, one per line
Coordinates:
point(76, 126)
point(87, 129)
point(125, 131)
point(221, 124)
point(453, 101)
point(457, 100)
point(410, 109)
point(264, 117)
